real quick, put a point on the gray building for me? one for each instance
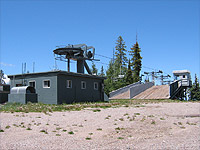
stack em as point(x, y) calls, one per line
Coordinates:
point(57, 87)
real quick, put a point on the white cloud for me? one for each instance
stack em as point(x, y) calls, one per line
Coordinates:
point(6, 65)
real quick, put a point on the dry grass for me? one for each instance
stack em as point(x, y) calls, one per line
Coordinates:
point(47, 108)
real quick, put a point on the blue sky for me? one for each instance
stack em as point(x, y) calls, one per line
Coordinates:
point(168, 32)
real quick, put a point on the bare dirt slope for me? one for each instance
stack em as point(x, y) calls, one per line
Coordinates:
point(150, 127)
point(125, 95)
point(155, 92)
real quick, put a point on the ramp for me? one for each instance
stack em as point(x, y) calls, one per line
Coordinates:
point(125, 95)
point(130, 91)
point(122, 90)
point(155, 92)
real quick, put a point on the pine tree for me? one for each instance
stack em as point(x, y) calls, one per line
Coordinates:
point(195, 90)
point(1, 77)
point(102, 74)
point(129, 74)
point(94, 69)
point(136, 61)
point(121, 59)
point(109, 81)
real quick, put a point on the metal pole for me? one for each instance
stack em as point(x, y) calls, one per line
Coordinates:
point(68, 63)
point(22, 68)
point(33, 67)
point(162, 80)
point(153, 79)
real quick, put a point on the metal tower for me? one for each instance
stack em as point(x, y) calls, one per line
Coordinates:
point(79, 53)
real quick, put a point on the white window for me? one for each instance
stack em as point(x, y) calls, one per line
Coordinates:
point(69, 83)
point(95, 85)
point(83, 85)
point(46, 84)
point(32, 83)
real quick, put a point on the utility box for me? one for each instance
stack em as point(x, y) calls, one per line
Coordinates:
point(4, 91)
point(23, 94)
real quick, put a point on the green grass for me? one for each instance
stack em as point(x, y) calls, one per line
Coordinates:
point(88, 138)
point(153, 122)
point(44, 131)
point(58, 134)
point(1, 130)
point(15, 125)
point(99, 129)
point(191, 123)
point(121, 119)
point(143, 119)
point(136, 114)
point(120, 138)
point(28, 128)
point(126, 114)
point(58, 128)
point(71, 132)
point(96, 110)
point(118, 128)
point(182, 127)
point(180, 123)
point(46, 108)
point(7, 127)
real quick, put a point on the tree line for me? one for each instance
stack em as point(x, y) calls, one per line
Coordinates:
point(121, 70)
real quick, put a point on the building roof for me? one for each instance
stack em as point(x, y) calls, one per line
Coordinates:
point(57, 72)
point(180, 71)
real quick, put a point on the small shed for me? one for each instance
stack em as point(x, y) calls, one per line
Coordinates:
point(4, 91)
point(23, 94)
point(183, 76)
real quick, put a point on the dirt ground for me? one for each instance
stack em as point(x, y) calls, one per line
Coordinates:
point(148, 126)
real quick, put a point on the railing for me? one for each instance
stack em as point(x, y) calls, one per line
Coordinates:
point(177, 86)
point(174, 87)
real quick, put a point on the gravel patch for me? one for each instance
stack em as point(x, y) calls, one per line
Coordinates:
point(152, 126)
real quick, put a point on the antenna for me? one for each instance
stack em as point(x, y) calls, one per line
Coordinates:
point(33, 67)
point(22, 68)
point(56, 68)
point(136, 35)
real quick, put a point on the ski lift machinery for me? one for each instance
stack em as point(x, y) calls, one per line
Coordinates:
point(79, 53)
